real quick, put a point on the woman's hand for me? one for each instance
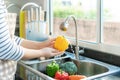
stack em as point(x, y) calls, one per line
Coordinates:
point(46, 52)
point(50, 52)
point(37, 45)
point(49, 42)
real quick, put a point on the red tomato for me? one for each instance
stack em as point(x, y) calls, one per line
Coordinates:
point(61, 75)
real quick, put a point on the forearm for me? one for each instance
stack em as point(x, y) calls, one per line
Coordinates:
point(30, 54)
point(32, 44)
point(44, 52)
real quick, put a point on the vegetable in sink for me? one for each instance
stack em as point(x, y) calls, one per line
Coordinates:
point(52, 68)
point(61, 75)
point(69, 67)
point(77, 77)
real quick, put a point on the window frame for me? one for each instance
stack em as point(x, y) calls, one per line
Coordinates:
point(99, 44)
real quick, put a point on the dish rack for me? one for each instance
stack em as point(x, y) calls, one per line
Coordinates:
point(33, 25)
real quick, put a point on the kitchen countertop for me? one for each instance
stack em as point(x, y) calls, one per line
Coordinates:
point(115, 76)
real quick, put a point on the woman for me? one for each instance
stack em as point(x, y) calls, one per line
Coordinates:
point(12, 51)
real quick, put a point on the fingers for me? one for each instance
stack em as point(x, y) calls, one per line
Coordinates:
point(56, 52)
point(52, 43)
point(53, 39)
point(51, 46)
point(50, 52)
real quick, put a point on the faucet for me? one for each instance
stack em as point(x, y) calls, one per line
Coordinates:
point(64, 26)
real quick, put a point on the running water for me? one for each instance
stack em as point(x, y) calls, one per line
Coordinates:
point(63, 55)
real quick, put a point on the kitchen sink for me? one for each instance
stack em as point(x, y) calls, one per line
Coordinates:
point(84, 68)
point(91, 68)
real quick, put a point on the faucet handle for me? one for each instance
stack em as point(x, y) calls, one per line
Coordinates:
point(81, 51)
point(72, 49)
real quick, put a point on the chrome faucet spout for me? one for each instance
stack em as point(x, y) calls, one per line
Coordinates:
point(64, 27)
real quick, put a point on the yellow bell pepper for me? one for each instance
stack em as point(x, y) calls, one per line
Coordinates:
point(61, 43)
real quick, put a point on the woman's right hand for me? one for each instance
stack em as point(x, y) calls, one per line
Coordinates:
point(49, 52)
point(43, 52)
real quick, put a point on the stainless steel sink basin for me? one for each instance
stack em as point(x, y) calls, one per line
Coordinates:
point(89, 67)
point(84, 68)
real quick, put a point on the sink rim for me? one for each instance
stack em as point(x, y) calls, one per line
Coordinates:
point(112, 68)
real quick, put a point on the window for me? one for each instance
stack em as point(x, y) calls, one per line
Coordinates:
point(85, 14)
point(111, 22)
point(98, 22)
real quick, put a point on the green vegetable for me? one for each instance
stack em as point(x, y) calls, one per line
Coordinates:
point(52, 68)
point(69, 67)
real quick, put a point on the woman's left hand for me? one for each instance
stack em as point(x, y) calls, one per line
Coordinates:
point(49, 42)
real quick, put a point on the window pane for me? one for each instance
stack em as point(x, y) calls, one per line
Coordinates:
point(111, 22)
point(85, 13)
